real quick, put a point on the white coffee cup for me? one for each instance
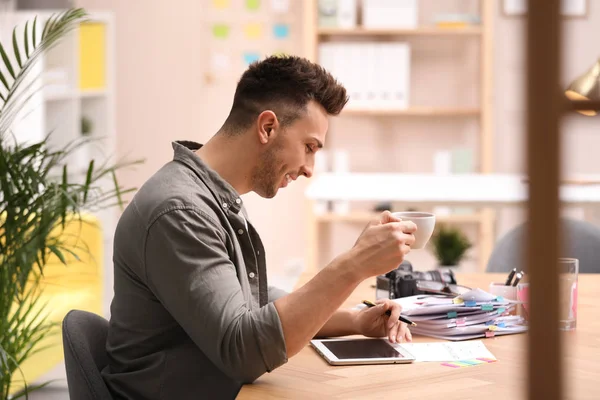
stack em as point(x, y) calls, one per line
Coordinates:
point(425, 224)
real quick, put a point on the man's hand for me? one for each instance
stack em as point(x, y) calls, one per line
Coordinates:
point(373, 322)
point(381, 247)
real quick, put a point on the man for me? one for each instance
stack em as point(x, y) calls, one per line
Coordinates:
point(192, 314)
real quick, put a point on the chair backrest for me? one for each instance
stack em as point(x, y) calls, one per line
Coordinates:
point(84, 341)
point(580, 240)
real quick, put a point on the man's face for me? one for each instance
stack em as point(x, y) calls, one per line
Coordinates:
point(292, 152)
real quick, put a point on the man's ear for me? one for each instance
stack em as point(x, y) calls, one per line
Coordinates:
point(267, 125)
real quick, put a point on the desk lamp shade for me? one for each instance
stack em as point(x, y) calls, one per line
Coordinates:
point(586, 87)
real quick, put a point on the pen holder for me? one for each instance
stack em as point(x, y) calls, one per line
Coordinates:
point(507, 292)
point(523, 295)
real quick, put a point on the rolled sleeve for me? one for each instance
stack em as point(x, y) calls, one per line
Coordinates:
point(276, 293)
point(189, 270)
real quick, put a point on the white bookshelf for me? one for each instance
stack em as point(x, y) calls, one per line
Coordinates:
point(356, 189)
point(73, 87)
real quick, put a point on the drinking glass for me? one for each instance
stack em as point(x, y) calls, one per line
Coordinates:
point(568, 272)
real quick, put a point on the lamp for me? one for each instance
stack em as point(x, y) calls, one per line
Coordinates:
point(586, 87)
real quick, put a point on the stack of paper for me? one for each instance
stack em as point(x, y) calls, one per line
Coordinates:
point(474, 314)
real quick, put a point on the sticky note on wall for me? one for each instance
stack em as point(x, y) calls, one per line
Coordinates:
point(219, 62)
point(252, 5)
point(281, 31)
point(253, 31)
point(92, 56)
point(280, 6)
point(250, 57)
point(220, 4)
point(220, 31)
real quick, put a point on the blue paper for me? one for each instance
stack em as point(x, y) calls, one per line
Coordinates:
point(249, 58)
point(281, 31)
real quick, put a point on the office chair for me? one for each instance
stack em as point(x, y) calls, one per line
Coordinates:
point(84, 341)
point(581, 240)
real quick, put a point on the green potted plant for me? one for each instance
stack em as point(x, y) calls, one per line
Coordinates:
point(86, 126)
point(450, 245)
point(38, 195)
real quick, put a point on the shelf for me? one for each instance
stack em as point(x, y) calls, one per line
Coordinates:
point(58, 95)
point(88, 93)
point(413, 112)
point(365, 217)
point(470, 190)
point(424, 31)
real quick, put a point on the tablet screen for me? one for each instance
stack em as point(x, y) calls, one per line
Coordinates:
point(361, 348)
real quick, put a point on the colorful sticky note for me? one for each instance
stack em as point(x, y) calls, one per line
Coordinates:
point(253, 31)
point(470, 303)
point(221, 31)
point(462, 364)
point(500, 299)
point(487, 307)
point(250, 57)
point(219, 62)
point(466, 363)
point(487, 360)
point(220, 4)
point(280, 6)
point(281, 31)
point(452, 314)
point(457, 300)
point(471, 362)
point(253, 5)
point(451, 365)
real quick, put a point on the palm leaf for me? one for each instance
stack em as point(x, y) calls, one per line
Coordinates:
point(56, 27)
point(7, 62)
point(26, 40)
point(16, 46)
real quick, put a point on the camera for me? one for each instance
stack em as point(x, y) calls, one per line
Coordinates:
point(404, 281)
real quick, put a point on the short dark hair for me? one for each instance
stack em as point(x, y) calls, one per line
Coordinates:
point(284, 84)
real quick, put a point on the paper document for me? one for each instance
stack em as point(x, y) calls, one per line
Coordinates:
point(441, 351)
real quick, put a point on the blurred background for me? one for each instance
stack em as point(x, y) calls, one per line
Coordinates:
point(437, 91)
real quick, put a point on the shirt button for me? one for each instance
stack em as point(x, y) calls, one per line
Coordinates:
point(238, 201)
point(257, 252)
point(251, 275)
point(241, 231)
point(224, 205)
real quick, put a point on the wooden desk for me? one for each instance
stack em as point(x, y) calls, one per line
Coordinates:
point(308, 376)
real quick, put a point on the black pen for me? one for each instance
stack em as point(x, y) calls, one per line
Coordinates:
point(518, 278)
point(510, 276)
point(389, 312)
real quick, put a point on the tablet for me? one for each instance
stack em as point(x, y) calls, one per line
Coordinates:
point(360, 351)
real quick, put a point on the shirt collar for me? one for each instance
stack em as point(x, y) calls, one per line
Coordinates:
point(226, 195)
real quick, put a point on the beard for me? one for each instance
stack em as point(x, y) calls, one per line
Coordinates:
point(265, 177)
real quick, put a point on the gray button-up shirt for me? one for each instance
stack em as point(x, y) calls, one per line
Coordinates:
point(192, 316)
